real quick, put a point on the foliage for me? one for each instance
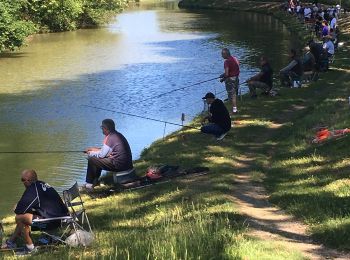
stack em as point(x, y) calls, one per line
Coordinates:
point(97, 12)
point(20, 18)
point(55, 15)
point(13, 29)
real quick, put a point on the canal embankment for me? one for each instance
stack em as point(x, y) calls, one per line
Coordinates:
point(310, 182)
point(269, 147)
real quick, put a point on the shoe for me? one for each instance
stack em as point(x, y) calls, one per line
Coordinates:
point(234, 110)
point(221, 136)
point(8, 245)
point(27, 251)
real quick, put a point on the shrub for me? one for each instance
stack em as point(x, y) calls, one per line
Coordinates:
point(13, 28)
point(97, 12)
point(55, 15)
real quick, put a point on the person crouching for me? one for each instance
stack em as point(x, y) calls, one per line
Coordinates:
point(219, 118)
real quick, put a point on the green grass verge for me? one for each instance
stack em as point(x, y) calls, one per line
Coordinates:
point(311, 182)
point(192, 218)
point(196, 218)
point(184, 219)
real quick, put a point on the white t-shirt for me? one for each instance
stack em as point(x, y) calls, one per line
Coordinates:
point(333, 23)
point(307, 12)
point(329, 46)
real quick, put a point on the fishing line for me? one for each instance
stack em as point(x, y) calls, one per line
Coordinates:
point(143, 117)
point(216, 94)
point(174, 90)
point(14, 152)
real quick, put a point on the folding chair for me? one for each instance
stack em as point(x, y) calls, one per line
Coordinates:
point(76, 220)
point(75, 205)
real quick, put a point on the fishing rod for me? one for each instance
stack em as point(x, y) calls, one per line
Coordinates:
point(176, 89)
point(15, 152)
point(143, 117)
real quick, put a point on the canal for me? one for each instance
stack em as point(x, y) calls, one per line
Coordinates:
point(147, 50)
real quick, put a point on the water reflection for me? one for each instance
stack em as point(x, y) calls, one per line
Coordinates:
point(148, 50)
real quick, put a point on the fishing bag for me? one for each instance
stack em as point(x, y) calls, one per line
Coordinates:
point(156, 172)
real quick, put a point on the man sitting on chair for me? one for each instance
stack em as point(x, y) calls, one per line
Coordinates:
point(115, 154)
point(39, 200)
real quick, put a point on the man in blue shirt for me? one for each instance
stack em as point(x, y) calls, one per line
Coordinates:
point(39, 200)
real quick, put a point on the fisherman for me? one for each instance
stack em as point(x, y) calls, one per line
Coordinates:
point(293, 71)
point(230, 76)
point(39, 201)
point(114, 155)
point(219, 118)
point(328, 46)
point(308, 60)
point(262, 80)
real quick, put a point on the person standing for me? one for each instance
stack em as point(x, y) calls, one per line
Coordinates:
point(39, 201)
point(114, 155)
point(262, 80)
point(219, 118)
point(230, 77)
point(328, 46)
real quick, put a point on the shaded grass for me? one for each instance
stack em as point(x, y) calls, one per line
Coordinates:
point(193, 219)
point(310, 181)
point(180, 220)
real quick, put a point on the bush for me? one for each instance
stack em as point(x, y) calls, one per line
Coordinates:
point(20, 18)
point(13, 28)
point(97, 12)
point(54, 15)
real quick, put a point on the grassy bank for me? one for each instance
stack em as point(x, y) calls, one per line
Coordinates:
point(311, 182)
point(183, 219)
point(196, 218)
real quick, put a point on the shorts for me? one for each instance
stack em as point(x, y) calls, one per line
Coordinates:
point(232, 85)
point(50, 225)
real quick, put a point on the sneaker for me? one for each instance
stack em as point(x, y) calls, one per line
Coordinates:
point(27, 251)
point(8, 245)
point(234, 110)
point(221, 136)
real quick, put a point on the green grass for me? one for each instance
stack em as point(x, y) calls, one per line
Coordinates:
point(184, 220)
point(197, 219)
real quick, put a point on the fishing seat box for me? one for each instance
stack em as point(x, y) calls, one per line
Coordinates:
point(124, 176)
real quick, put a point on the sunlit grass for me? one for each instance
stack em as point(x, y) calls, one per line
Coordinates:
point(197, 219)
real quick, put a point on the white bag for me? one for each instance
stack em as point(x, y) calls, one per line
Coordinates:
point(80, 238)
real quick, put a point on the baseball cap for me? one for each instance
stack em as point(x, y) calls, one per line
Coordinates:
point(208, 95)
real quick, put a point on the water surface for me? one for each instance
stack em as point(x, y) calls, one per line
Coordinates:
point(145, 51)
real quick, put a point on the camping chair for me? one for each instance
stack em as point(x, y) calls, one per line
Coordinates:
point(75, 205)
point(76, 220)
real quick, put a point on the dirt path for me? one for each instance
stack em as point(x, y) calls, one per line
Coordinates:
point(268, 222)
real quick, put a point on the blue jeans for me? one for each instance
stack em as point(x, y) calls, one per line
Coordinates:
point(213, 129)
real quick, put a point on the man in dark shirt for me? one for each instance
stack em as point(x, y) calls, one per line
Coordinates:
point(114, 155)
point(293, 71)
point(219, 118)
point(39, 200)
point(262, 80)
